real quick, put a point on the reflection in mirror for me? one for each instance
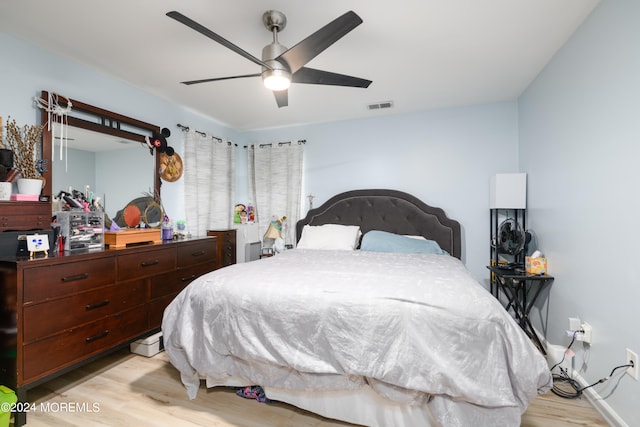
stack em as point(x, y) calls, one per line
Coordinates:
point(115, 169)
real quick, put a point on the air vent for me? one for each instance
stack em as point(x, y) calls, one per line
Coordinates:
point(380, 105)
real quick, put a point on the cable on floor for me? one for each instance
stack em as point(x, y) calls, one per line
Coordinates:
point(568, 388)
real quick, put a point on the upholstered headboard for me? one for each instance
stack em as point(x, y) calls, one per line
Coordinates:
point(387, 210)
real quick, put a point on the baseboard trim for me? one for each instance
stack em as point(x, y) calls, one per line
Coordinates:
point(600, 404)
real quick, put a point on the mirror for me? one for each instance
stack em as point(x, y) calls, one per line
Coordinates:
point(119, 175)
point(115, 169)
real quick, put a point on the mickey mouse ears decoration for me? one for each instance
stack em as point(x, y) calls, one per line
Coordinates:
point(159, 142)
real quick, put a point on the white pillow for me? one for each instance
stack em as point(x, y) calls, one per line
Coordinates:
point(330, 236)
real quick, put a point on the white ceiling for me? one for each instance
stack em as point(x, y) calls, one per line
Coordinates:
point(420, 54)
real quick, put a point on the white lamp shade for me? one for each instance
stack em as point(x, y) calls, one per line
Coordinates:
point(272, 233)
point(508, 191)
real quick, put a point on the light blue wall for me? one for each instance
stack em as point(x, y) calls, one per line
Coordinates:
point(76, 170)
point(580, 145)
point(444, 157)
point(123, 175)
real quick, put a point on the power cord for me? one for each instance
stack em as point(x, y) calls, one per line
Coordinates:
point(568, 388)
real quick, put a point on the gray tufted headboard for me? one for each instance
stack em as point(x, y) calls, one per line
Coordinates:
point(387, 210)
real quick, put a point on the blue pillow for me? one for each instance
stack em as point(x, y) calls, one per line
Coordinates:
point(383, 241)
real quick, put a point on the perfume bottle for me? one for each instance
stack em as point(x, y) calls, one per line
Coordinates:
point(167, 229)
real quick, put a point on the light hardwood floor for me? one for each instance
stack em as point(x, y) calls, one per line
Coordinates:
point(129, 390)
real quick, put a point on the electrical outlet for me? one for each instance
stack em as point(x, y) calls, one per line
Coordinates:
point(587, 335)
point(632, 357)
point(574, 323)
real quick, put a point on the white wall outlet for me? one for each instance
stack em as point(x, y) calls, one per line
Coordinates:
point(585, 336)
point(633, 371)
point(574, 323)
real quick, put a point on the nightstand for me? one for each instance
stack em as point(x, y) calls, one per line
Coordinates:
point(226, 246)
point(522, 291)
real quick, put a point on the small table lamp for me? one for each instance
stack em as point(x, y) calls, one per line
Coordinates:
point(269, 240)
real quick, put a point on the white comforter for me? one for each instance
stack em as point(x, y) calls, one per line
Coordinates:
point(410, 325)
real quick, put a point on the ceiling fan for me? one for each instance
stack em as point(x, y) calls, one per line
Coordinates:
point(282, 66)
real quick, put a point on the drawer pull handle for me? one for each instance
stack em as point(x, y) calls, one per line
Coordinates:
point(186, 279)
point(97, 337)
point(76, 277)
point(97, 305)
point(199, 253)
point(150, 263)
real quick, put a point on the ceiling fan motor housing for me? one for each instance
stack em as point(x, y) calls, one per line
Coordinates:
point(278, 69)
point(275, 22)
point(272, 51)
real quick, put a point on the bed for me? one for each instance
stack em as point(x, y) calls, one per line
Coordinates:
point(390, 330)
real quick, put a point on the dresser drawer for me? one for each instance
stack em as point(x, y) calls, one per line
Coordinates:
point(228, 239)
point(24, 222)
point(174, 282)
point(42, 283)
point(156, 310)
point(228, 255)
point(25, 216)
point(57, 351)
point(44, 319)
point(203, 252)
point(145, 264)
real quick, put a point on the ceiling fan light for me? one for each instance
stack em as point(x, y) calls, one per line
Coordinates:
point(276, 79)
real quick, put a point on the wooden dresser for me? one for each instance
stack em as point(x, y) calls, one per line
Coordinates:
point(61, 311)
point(25, 215)
point(226, 246)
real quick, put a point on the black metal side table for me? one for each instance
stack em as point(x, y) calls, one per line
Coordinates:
point(522, 290)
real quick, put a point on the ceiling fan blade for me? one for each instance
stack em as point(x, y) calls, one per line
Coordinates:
point(193, 82)
point(319, 77)
point(296, 57)
point(213, 36)
point(282, 97)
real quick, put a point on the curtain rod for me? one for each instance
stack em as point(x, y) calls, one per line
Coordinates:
point(300, 142)
point(186, 129)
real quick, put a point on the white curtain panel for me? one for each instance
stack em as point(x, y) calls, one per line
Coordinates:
point(209, 183)
point(275, 184)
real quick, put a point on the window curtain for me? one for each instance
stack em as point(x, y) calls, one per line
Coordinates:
point(275, 184)
point(209, 182)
